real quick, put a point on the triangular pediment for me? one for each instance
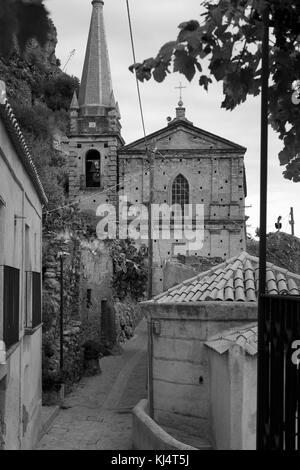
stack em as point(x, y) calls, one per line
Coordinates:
point(184, 136)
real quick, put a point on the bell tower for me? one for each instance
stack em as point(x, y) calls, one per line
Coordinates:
point(95, 129)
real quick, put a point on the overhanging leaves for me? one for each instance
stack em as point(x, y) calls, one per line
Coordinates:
point(230, 38)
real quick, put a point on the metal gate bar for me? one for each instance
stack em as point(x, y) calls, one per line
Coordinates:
point(279, 381)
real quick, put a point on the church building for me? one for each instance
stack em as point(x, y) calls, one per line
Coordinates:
point(191, 165)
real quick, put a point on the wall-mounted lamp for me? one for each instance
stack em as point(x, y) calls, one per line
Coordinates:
point(156, 327)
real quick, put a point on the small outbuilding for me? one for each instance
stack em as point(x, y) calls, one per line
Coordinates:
point(188, 324)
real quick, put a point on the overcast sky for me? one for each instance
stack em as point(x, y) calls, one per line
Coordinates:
point(154, 23)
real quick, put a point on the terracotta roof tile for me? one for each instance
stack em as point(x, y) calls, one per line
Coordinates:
point(271, 282)
point(293, 287)
point(229, 293)
point(240, 294)
point(245, 337)
point(281, 283)
point(234, 280)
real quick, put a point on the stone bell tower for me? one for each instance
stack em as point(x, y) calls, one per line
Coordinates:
point(95, 129)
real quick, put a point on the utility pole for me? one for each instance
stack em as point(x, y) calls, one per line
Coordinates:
point(151, 158)
point(292, 221)
point(261, 411)
point(61, 255)
point(61, 319)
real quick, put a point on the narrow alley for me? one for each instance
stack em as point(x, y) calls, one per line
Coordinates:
point(97, 414)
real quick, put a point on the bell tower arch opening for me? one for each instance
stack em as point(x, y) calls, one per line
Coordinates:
point(93, 169)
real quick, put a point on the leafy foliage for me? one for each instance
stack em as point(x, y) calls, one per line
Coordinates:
point(38, 123)
point(21, 20)
point(34, 120)
point(58, 91)
point(130, 270)
point(228, 45)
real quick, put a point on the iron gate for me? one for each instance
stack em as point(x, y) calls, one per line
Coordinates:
point(279, 373)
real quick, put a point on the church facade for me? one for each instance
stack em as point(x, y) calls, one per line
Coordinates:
point(190, 165)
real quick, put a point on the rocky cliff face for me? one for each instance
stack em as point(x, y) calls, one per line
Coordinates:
point(45, 55)
point(23, 75)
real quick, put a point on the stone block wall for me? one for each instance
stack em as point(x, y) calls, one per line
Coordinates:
point(51, 307)
point(77, 148)
point(215, 181)
point(128, 316)
point(90, 310)
point(95, 289)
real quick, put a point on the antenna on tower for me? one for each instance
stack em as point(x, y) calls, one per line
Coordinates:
point(69, 58)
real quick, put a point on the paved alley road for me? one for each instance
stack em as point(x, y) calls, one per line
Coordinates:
point(98, 411)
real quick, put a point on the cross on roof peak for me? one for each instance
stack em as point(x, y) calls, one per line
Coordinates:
point(180, 87)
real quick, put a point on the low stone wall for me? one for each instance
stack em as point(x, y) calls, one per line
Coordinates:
point(148, 435)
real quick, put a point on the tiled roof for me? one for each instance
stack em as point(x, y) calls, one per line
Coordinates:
point(234, 280)
point(245, 337)
point(13, 128)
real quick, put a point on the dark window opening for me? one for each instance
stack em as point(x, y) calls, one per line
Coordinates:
point(11, 300)
point(36, 299)
point(92, 169)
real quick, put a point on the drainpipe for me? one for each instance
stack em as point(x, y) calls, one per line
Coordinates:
point(21, 320)
point(263, 226)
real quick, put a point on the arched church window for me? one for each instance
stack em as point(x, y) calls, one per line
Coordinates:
point(92, 169)
point(180, 191)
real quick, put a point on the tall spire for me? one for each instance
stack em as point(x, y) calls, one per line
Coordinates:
point(96, 91)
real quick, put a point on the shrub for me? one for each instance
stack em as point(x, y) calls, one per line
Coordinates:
point(92, 350)
point(52, 381)
point(58, 91)
point(130, 269)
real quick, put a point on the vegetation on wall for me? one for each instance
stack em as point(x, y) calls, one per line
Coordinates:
point(283, 250)
point(58, 91)
point(130, 269)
